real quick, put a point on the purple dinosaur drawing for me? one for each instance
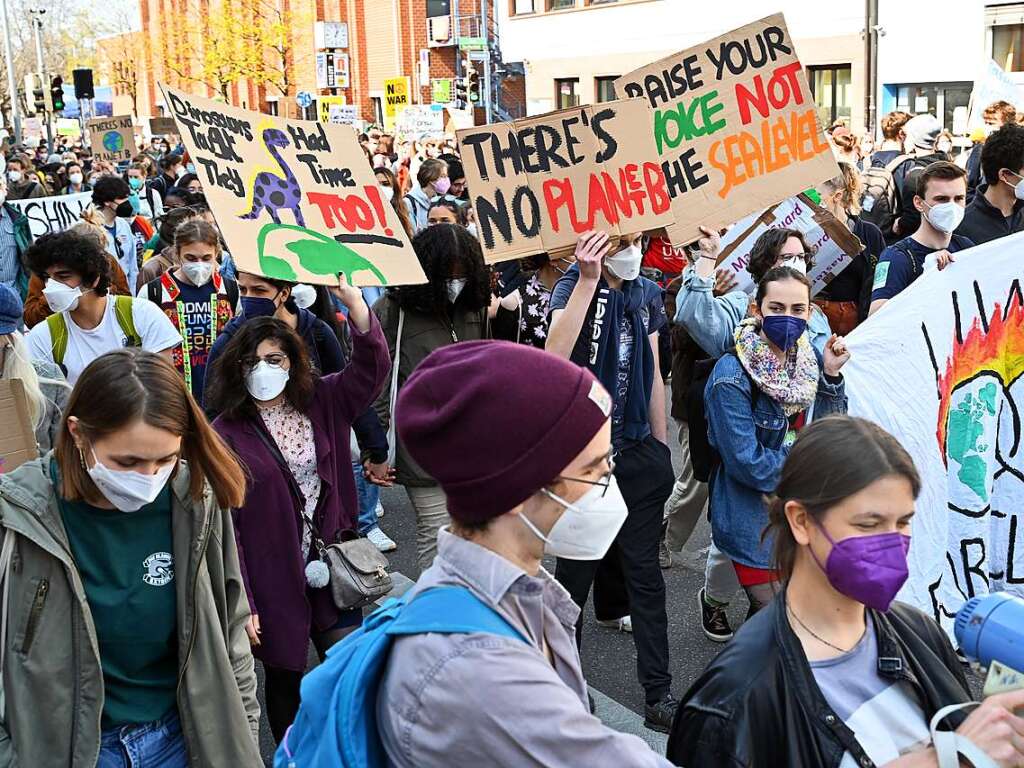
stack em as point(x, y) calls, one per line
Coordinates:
point(270, 191)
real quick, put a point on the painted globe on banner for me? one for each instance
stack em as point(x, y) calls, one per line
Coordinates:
point(113, 141)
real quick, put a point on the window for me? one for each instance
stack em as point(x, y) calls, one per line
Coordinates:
point(558, 5)
point(521, 7)
point(1007, 44)
point(567, 93)
point(939, 99)
point(439, 8)
point(831, 89)
point(604, 88)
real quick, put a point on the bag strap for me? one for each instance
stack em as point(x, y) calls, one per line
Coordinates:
point(949, 745)
point(896, 162)
point(6, 555)
point(58, 337)
point(450, 610)
point(393, 400)
point(123, 313)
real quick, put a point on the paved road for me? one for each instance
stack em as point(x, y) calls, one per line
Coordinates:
point(609, 657)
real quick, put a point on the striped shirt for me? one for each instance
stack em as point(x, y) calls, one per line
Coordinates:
point(10, 264)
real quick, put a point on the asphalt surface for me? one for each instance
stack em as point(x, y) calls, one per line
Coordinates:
point(609, 657)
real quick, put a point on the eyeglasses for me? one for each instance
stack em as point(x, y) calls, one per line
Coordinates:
point(606, 478)
point(784, 257)
point(274, 359)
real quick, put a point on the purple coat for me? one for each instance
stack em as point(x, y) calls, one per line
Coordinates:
point(268, 527)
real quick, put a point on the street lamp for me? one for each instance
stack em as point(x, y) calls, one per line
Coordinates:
point(12, 87)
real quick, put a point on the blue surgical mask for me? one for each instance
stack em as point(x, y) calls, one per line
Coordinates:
point(783, 330)
point(255, 306)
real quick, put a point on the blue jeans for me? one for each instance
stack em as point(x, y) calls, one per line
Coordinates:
point(368, 495)
point(153, 745)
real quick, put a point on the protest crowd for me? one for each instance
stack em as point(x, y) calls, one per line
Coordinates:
point(231, 431)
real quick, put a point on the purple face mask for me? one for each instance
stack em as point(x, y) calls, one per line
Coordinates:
point(868, 569)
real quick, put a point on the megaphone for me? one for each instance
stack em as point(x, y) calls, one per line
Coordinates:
point(991, 628)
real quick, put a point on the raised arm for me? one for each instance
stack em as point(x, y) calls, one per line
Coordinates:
point(566, 324)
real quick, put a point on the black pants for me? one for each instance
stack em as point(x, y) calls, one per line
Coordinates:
point(282, 685)
point(645, 476)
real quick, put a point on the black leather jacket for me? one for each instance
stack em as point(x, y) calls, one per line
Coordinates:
point(757, 703)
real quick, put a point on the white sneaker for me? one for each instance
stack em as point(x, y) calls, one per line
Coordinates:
point(381, 540)
point(622, 624)
point(379, 510)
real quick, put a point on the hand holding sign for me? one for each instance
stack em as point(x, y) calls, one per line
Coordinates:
point(590, 252)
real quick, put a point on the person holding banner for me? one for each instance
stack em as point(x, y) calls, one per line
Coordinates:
point(125, 610)
point(290, 427)
point(110, 199)
point(417, 319)
point(834, 673)
point(606, 317)
point(757, 399)
point(846, 298)
point(197, 300)
point(940, 200)
point(997, 209)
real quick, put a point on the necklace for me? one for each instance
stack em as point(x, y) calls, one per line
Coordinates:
point(818, 637)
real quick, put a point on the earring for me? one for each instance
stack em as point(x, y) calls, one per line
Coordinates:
point(81, 459)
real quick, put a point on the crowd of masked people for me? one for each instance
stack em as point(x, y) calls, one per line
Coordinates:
point(210, 439)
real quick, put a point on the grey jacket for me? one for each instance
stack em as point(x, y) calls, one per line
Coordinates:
point(480, 699)
point(52, 682)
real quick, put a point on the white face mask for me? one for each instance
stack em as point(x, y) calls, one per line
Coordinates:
point(198, 272)
point(388, 192)
point(60, 297)
point(944, 146)
point(945, 217)
point(265, 381)
point(799, 264)
point(1018, 188)
point(626, 263)
point(471, 228)
point(455, 286)
point(588, 527)
point(76, 178)
point(128, 491)
point(304, 295)
point(14, 176)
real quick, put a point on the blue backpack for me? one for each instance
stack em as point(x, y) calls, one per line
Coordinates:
point(336, 726)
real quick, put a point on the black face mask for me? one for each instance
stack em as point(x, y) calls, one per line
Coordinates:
point(124, 210)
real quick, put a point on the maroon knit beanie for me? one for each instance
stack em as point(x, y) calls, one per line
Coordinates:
point(494, 422)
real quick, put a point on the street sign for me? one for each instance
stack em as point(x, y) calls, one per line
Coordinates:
point(477, 55)
point(472, 43)
point(441, 90)
point(304, 99)
point(331, 70)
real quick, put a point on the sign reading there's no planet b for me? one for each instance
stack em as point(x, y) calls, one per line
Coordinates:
point(112, 138)
point(735, 126)
point(538, 184)
point(294, 199)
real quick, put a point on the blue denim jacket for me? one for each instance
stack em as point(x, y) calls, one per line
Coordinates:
point(750, 442)
point(711, 320)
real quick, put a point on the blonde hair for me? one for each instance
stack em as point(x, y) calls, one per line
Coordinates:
point(850, 183)
point(18, 365)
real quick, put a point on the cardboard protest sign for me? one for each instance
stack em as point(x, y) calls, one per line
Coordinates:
point(161, 126)
point(941, 367)
point(396, 98)
point(52, 214)
point(993, 84)
point(833, 244)
point(17, 437)
point(112, 138)
point(324, 104)
point(538, 183)
point(735, 126)
point(294, 199)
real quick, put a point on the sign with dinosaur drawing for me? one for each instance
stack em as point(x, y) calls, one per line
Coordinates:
point(294, 199)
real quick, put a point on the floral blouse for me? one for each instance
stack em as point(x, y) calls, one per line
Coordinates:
point(533, 322)
point(293, 433)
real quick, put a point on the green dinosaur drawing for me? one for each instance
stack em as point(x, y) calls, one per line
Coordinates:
point(317, 253)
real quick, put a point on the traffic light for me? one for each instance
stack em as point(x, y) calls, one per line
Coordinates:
point(34, 88)
point(473, 86)
point(56, 94)
point(460, 91)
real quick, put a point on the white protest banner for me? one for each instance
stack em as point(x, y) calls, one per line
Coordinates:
point(832, 243)
point(418, 119)
point(993, 85)
point(940, 368)
point(52, 214)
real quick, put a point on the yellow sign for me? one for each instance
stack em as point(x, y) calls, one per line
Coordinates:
point(396, 98)
point(324, 104)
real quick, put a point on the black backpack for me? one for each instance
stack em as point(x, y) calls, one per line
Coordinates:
point(703, 455)
point(878, 203)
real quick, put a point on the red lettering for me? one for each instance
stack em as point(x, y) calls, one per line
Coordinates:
point(351, 212)
point(657, 188)
point(618, 200)
point(558, 194)
point(598, 202)
point(745, 98)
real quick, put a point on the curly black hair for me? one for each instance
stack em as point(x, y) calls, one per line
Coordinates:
point(109, 188)
point(766, 249)
point(226, 391)
point(1003, 149)
point(443, 250)
point(82, 255)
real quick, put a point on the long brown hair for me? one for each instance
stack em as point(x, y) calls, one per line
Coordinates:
point(126, 385)
point(397, 202)
point(831, 460)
